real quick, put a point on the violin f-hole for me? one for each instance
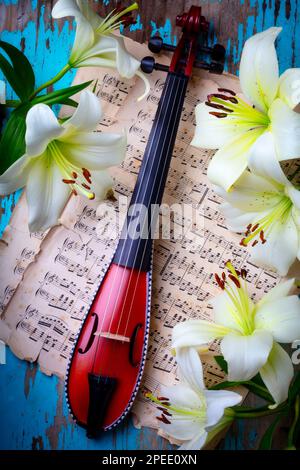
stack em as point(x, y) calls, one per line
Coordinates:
point(92, 336)
point(132, 344)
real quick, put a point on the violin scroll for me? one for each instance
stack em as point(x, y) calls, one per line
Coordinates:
point(187, 53)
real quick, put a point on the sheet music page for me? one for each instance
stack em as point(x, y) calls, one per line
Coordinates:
point(50, 278)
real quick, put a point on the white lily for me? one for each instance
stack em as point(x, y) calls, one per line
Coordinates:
point(249, 332)
point(2, 92)
point(94, 44)
point(61, 159)
point(189, 411)
point(228, 123)
point(266, 206)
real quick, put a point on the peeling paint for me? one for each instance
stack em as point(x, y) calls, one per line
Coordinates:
point(60, 421)
point(30, 374)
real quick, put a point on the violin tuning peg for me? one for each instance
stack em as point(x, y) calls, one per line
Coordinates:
point(213, 67)
point(216, 67)
point(218, 53)
point(148, 64)
point(156, 44)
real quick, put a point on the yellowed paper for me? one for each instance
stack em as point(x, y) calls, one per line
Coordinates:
point(50, 279)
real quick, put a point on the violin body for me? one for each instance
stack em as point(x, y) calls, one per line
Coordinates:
point(121, 353)
point(107, 362)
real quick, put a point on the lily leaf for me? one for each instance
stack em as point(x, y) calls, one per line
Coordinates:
point(294, 428)
point(225, 384)
point(222, 363)
point(258, 390)
point(12, 143)
point(267, 439)
point(60, 96)
point(19, 72)
point(294, 388)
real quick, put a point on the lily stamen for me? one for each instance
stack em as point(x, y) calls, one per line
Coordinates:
point(260, 230)
point(111, 23)
point(163, 419)
point(235, 280)
point(236, 107)
point(226, 90)
point(218, 115)
point(218, 106)
point(241, 311)
point(199, 413)
point(72, 175)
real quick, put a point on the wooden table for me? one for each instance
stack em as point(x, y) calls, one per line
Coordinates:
point(32, 407)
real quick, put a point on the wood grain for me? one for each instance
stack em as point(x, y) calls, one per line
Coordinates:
point(231, 20)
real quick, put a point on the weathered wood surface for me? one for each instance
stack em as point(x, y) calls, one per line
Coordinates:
point(32, 408)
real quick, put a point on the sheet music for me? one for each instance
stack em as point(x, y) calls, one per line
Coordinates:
point(49, 279)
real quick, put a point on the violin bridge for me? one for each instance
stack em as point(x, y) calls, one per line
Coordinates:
point(108, 335)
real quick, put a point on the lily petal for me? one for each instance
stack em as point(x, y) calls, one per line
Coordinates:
point(2, 92)
point(231, 161)
point(181, 396)
point(95, 151)
point(190, 366)
point(15, 177)
point(84, 37)
point(263, 160)
point(285, 126)
point(281, 317)
point(183, 428)
point(127, 65)
point(87, 115)
point(294, 195)
point(281, 248)
point(277, 373)
point(195, 444)
point(252, 193)
point(281, 290)
point(245, 355)
point(289, 87)
point(101, 184)
point(212, 132)
point(224, 312)
point(46, 195)
point(89, 14)
point(217, 401)
point(64, 8)
point(196, 333)
point(237, 220)
point(259, 72)
point(42, 126)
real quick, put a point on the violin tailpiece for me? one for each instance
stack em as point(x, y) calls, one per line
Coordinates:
point(100, 393)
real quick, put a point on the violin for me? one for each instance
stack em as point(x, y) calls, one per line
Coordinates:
point(108, 358)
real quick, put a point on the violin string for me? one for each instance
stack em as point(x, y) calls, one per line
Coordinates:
point(118, 265)
point(178, 112)
point(144, 251)
point(141, 189)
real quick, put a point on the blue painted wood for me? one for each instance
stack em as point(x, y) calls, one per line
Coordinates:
point(32, 407)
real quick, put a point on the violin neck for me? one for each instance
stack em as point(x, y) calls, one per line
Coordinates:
point(135, 246)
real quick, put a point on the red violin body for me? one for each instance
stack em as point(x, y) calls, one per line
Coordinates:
point(120, 351)
point(108, 359)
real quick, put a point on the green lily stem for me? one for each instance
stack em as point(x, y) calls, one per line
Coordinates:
point(254, 414)
point(55, 79)
point(12, 103)
point(290, 443)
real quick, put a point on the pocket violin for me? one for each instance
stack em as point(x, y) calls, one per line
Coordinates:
point(107, 362)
